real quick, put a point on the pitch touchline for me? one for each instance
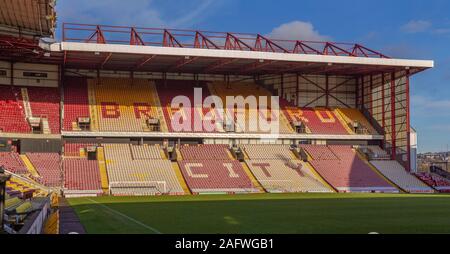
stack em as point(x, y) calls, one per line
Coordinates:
point(125, 216)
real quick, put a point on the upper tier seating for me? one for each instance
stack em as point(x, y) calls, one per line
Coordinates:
point(141, 176)
point(252, 114)
point(12, 162)
point(318, 120)
point(12, 116)
point(45, 103)
point(278, 170)
point(350, 114)
point(176, 116)
point(76, 101)
point(436, 181)
point(344, 170)
point(118, 110)
point(398, 175)
point(209, 168)
point(48, 166)
point(82, 174)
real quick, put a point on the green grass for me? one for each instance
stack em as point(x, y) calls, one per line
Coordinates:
point(266, 213)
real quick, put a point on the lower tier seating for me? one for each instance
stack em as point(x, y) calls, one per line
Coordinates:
point(204, 176)
point(219, 152)
point(436, 181)
point(128, 176)
point(286, 176)
point(48, 166)
point(12, 162)
point(398, 175)
point(82, 175)
point(345, 171)
point(76, 149)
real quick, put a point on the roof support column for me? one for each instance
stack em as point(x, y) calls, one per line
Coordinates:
point(282, 86)
point(370, 94)
point(383, 107)
point(408, 127)
point(393, 127)
point(297, 90)
point(327, 91)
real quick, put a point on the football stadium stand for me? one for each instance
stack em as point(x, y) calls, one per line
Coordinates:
point(12, 115)
point(396, 173)
point(340, 166)
point(278, 170)
point(180, 113)
point(45, 104)
point(48, 165)
point(317, 120)
point(129, 112)
point(436, 181)
point(76, 102)
point(252, 115)
point(145, 175)
point(82, 176)
point(76, 149)
point(12, 162)
point(356, 121)
point(210, 169)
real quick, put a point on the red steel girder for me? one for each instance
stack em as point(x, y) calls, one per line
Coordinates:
point(143, 61)
point(135, 38)
point(201, 41)
point(264, 44)
point(169, 40)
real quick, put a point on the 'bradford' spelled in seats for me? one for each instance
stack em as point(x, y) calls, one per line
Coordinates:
point(125, 104)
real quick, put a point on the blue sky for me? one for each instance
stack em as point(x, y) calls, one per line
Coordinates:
point(417, 29)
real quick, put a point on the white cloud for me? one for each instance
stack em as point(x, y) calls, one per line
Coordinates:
point(143, 13)
point(297, 30)
point(416, 26)
point(430, 103)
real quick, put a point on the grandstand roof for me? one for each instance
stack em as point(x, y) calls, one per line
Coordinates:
point(175, 50)
point(30, 18)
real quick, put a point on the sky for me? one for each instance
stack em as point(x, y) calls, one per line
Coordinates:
point(417, 29)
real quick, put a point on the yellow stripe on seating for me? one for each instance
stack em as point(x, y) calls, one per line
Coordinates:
point(345, 121)
point(92, 105)
point(102, 168)
point(253, 179)
point(180, 178)
point(29, 165)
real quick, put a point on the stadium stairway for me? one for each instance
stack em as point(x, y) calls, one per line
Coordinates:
point(92, 105)
point(29, 165)
point(102, 168)
point(180, 178)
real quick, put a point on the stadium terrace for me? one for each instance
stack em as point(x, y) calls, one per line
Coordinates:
point(91, 116)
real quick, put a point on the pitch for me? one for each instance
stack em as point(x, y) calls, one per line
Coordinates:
point(266, 213)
